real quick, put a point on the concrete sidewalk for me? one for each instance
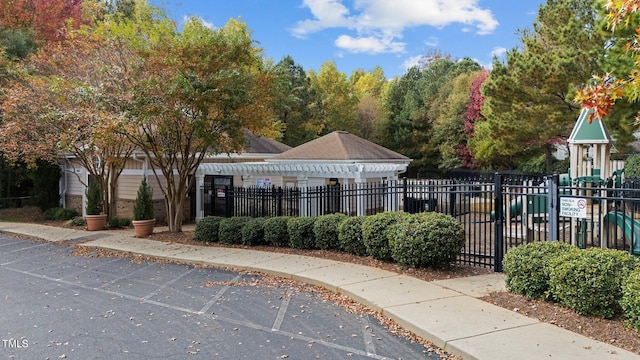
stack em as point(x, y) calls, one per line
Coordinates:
point(447, 312)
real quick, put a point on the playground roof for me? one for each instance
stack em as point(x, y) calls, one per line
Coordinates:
point(588, 131)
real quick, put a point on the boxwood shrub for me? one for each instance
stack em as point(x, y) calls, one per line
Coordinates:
point(301, 232)
point(253, 232)
point(590, 281)
point(526, 267)
point(325, 230)
point(374, 233)
point(630, 301)
point(207, 229)
point(350, 236)
point(426, 240)
point(275, 231)
point(230, 230)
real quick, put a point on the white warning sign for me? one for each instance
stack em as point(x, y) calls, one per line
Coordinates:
point(573, 207)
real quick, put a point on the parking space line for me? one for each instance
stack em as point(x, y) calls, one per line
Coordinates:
point(24, 248)
point(281, 312)
point(247, 324)
point(165, 285)
point(123, 276)
point(367, 336)
point(88, 269)
point(217, 296)
point(24, 258)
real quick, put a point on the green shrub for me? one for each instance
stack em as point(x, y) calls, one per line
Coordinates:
point(76, 221)
point(526, 267)
point(374, 233)
point(143, 206)
point(253, 232)
point(117, 223)
point(426, 240)
point(590, 281)
point(350, 236)
point(207, 229)
point(230, 229)
point(301, 232)
point(630, 301)
point(325, 230)
point(275, 231)
point(59, 214)
point(94, 198)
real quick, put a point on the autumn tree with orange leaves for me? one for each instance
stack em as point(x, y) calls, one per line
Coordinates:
point(197, 91)
point(49, 19)
point(68, 103)
point(605, 90)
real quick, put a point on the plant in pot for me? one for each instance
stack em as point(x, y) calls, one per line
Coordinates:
point(143, 219)
point(95, 218)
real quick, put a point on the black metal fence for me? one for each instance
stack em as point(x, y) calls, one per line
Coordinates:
point(498, 212)
point(15, 202)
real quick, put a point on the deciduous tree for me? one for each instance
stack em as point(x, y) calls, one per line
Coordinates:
point(68, 104)
point(201, 89)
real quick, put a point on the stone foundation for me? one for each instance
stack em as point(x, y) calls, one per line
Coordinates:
point(74, 202)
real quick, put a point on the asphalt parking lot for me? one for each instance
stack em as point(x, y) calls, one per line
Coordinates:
point(56, 305)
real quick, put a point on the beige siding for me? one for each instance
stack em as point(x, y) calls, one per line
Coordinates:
point(75, 174)
point(128, 186)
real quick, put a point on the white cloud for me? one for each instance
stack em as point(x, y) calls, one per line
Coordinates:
point(327, 14)
point(368, 44)
point(432, 41)
point(385, 20)
point(498, 51)
point(186, 18)
point(411, 62)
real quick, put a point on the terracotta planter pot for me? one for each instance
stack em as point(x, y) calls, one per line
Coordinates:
point(96, 222)
point(143, 228)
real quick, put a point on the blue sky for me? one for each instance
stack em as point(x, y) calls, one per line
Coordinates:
point(362, 34)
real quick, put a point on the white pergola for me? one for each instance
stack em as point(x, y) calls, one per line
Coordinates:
point(307, 173)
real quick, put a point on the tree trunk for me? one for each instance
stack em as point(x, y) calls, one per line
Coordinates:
point(548, 158)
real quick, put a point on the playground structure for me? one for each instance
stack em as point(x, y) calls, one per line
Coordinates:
point(609, 218)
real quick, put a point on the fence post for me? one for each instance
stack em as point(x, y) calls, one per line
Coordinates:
point(279, 201)
point(498, 246)
point(228, 201)
point(552, 201)
point(404, 194)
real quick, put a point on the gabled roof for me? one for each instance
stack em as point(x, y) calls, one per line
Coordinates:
point(589, 132)
point(340, 145)
point(263, 145)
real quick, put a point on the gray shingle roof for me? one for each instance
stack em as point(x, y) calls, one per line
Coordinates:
point(263, 145)
point(340, 145)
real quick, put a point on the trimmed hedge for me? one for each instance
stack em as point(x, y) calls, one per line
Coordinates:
point(230, 230)
point(275, 231)
point(350, 236)
point(526, 267)
point(253, 232)
point(301, 232)
point(325, 230)
point(590, 281)
point(374, 233)
point(630, 301)
point(426, 240)
point(207, 229)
